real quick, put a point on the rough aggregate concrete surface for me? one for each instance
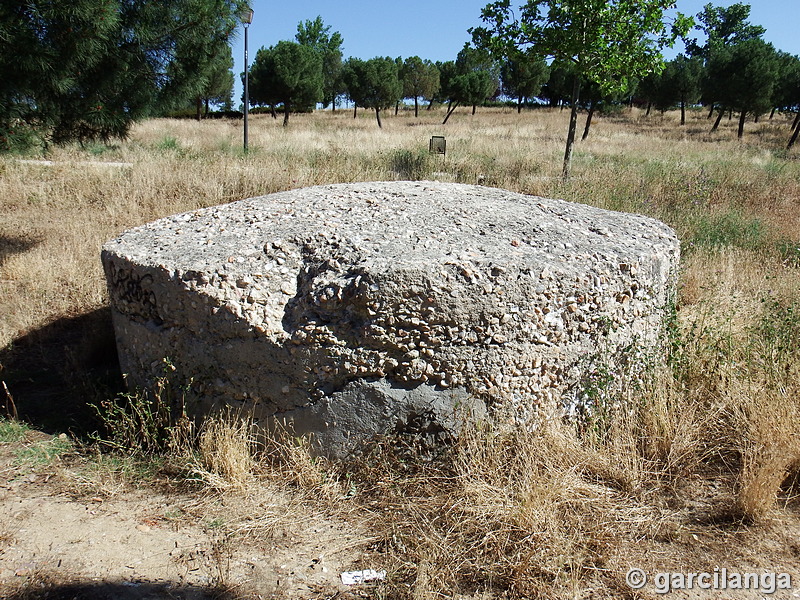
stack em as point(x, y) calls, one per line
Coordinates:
point(355, 309)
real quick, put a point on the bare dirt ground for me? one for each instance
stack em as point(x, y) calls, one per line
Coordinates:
point(64, 533)
point(70, 528)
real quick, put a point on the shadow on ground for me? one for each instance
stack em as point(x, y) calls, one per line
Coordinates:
point(39, 590)
point(54, 373)
point(11, 245)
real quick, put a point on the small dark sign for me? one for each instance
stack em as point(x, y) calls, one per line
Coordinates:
point(438, 145)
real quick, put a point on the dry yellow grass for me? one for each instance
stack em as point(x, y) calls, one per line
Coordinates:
point(60, 214)
point(547, 513)
point(225, 452)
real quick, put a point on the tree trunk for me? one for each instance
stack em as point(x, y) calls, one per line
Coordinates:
point(199, 107)
point(756, 118)
point(355, 110)
point(588, 120)
point(430, 104)
point(378, 116)
point(416, 107)
point(772, 114)
point(397, 108)
point(742, 116)
point(649, 106)
point(474, 108)
point(683, 112)
point(450, 109)
point(272, 111)
point(796, 121)
point(285, 114)
point(519, 105)
point(333, 105)
point(573, 123)
point(711, 112)
point(206, 114)
point(730, 114)
point(719, 118)
point(794, 137)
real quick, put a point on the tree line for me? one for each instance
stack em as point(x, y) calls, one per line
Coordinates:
point(734, 71)
point(89, 68)
point(297, 75)
point(576, 53)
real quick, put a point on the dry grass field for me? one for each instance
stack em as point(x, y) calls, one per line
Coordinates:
point(695, 471)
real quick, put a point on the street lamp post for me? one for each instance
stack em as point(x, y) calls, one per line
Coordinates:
point(247, 18)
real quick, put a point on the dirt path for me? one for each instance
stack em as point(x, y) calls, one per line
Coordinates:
point(138, 542)
point(74, 527)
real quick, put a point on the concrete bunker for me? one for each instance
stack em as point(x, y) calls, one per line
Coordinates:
point(357, 309)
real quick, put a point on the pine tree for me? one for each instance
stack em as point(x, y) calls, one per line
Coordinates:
point(557, 90)
point(474, 78)
point(723, 26)
point(523, 75)
point(420, 80)
point(743, 77)
point(373, 83)
point(649, 89)
point(329, 45)
point(447, 72)
point(352, 70)
point(287, 73)
point(87, 69)
point(786, 96)
point(787, 90)
point(217, 81)
point(679, 84)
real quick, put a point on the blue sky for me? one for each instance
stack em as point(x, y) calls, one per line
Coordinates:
point(437, 29)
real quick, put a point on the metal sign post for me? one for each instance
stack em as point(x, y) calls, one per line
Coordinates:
point(438, 145)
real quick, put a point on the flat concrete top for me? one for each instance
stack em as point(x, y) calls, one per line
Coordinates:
point(394, 225)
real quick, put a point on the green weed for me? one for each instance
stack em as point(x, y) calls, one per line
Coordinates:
point(99, 148)
point(12, 431)
point(120, 466)
point(777, 335)
point(789, 252)
point(729, 229)
point(168, 143)
point(412, 166)
point(148, 422)
point(43, 453)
